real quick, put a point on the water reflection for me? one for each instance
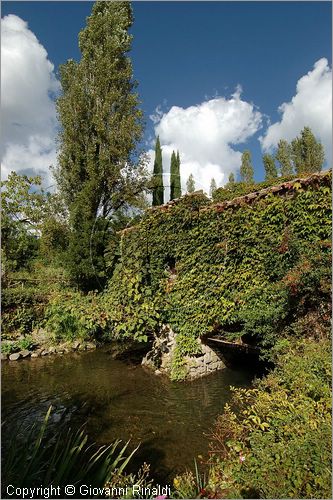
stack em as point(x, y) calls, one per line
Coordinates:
point(117, 400)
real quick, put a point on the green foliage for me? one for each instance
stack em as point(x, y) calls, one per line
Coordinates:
point(187, 485)
point(25, 295)
point(213, 187)
point(20, 345)
point(231, 178)
point(22, 319)
point(22, 309)
point(158, 188)
point(283, 156)
point(178, 186)
point(190, 184)
point(246, 169)
point(40, 459)
point(23, 203)
point(100, 168)
point(33, 224)
point(274, 440)
point(236, 189)
point(25, 343)
point(307, 153)
point(270, 168)
point(250, 269)
point(132, 309)
point(175, 184)
point(8, 347)
point(72, 315)
point(55, 231)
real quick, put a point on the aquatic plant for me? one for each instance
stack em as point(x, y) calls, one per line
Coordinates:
point(42, 457)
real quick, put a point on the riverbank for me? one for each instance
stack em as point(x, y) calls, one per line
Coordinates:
point(40, 344)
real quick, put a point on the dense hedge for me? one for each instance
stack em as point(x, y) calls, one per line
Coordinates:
point(246, 268)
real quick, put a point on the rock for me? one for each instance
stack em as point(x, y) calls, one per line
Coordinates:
point(158, 372)
point(90, 345)
point(3, 356)
point(52, 350)
point(82, 347)
point(45, 352)
point(76, 345)
point(164, 349)
point(15, 356)
point(35, 355)
point(207, 357)
point(25, 353)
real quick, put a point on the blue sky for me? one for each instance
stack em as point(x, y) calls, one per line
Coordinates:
point(188, 54)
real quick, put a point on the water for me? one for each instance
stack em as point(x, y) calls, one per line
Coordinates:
point(118, 400)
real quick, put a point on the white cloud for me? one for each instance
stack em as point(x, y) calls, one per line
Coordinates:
point(205, 136)
point(28, 116)
point(311, 106)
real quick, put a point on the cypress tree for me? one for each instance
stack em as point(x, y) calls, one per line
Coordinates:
point(307, 152)
point(178, 185)
point(270, 167)
point(212, 188)
point(173, 173)
point(283, 156)
point(158, 188)
point(246, 169)
point(190, 184)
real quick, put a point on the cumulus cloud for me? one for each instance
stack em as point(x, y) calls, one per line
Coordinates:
point(311, 106)
point(206, 136)
point(28, 116)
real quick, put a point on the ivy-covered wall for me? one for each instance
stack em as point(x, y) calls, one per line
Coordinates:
point(245, 268)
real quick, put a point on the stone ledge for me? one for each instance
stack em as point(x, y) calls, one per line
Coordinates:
point(160, 357)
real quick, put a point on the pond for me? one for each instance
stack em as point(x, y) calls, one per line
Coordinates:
point(120, 400)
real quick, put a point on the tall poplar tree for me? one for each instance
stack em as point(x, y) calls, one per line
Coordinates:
point(283, 156)
point(307, 153)
point(158, 188)
point(246, 169)
point(175, 184)
point(99, 170)
point(270, 167)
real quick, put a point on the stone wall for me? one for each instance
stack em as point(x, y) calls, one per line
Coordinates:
point(159, 358)
point(203, 365)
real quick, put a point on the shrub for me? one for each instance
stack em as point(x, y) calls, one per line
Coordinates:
point(8, 347)
point(22, 308)
point(273, 441)
point(70, 315)
point(20, 345)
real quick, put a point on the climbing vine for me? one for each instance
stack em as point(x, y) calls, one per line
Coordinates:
point(236, 270)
